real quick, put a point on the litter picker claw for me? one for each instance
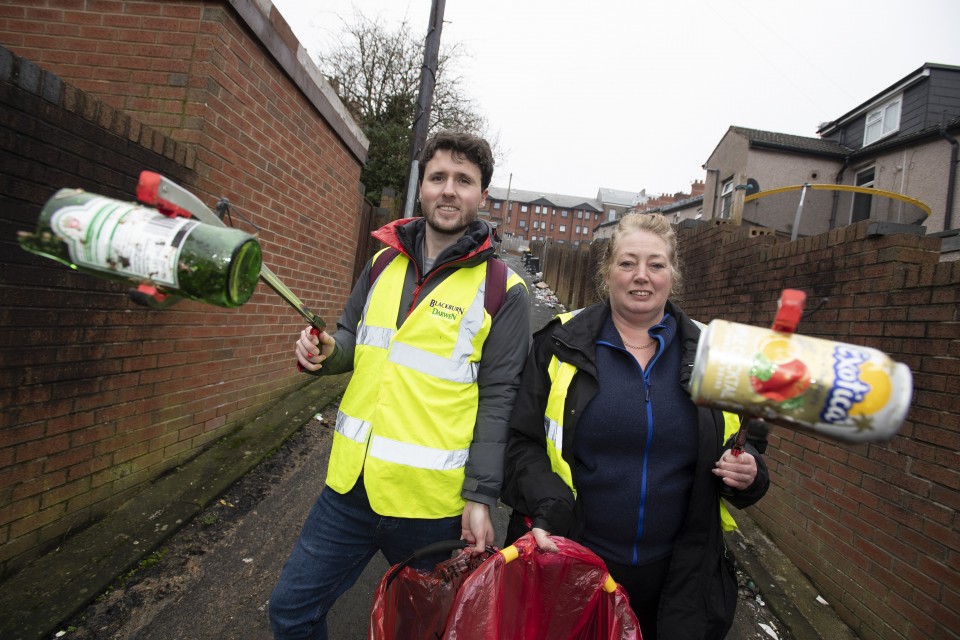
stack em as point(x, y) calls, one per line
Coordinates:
point(173, 200)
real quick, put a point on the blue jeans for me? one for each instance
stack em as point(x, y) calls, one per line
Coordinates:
point(340, 536)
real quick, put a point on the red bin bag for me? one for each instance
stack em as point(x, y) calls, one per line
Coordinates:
point(523, 593)
point(409, 605)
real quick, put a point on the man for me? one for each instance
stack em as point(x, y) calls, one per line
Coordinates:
point(418, 449)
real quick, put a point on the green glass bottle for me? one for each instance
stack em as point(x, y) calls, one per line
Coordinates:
point(134, 243)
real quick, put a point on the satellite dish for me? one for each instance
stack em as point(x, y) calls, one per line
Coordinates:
point(752, 186)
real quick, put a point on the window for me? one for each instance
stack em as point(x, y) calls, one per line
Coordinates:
point(536, 225)
point(883, 121)
point(563, 214)
point(537, 209)
point(862, 202)
point(578, 230)
point(611, 215)
point(523, 208)
point(726, 199)
point(563, 228)
point(496, 205)
point(522, 223)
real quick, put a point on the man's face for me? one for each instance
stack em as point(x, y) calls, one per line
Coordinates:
point(450, 194)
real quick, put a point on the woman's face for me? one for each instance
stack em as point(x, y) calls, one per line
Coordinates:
point(640, 276)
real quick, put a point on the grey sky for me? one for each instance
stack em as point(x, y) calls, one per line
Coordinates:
point(633, 94)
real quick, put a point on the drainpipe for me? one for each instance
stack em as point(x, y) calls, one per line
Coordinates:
point(716, 183)
point(952, 180)
point(836, 194)
point(796, 220)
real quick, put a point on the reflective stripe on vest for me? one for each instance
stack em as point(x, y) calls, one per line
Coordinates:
point(455, 370)
point(415, 455)
point(374, 336)
point(351, 428)
point(412, 400)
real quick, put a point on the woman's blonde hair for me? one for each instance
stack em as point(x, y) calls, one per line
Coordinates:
point(653, 223)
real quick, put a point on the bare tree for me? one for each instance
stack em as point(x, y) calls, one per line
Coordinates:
point(376, 73)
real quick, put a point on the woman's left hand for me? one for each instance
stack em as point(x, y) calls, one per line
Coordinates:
point(737, 472)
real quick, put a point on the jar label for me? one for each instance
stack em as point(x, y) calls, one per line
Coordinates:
point(123, 238)
point(847, 391)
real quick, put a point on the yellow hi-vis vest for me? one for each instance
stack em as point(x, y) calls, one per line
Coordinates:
point(561, 375)
point(407, 418)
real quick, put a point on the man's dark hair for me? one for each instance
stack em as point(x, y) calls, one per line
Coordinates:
point(461, 145)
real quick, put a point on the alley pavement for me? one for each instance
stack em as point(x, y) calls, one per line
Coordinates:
point(196, 555)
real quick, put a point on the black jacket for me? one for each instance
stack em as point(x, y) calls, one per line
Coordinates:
point(699, 596)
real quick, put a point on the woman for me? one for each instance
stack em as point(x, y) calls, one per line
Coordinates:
point(607, 448)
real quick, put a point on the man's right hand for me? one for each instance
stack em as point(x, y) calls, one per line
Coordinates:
point(312, 350)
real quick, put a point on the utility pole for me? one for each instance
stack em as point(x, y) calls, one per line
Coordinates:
point(421, 120)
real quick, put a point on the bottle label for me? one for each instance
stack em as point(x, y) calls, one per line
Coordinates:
point(123, 238)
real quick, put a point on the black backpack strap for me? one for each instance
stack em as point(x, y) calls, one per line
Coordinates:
point(496, 285)
point(380, 263)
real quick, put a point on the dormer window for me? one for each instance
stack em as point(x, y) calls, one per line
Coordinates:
point(882, 121)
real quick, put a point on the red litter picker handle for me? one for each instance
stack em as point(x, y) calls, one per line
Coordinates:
point(789, 312)
point(314, 332)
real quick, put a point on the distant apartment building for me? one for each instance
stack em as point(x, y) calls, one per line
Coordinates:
point(533, 215)
point(677, 207)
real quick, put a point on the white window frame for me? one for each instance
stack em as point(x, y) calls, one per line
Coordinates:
point(523, 208)
point(883, 121)
point(862, 203)
point(563, 228)
point(726, 200)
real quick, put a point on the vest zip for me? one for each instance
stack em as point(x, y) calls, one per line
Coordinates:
point(421, 283)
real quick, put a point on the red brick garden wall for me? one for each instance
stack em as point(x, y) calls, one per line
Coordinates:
point(99, 395)
point(875, 526)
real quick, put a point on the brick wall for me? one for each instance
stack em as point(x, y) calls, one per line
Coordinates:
point(100, 395)
point(875, 526)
